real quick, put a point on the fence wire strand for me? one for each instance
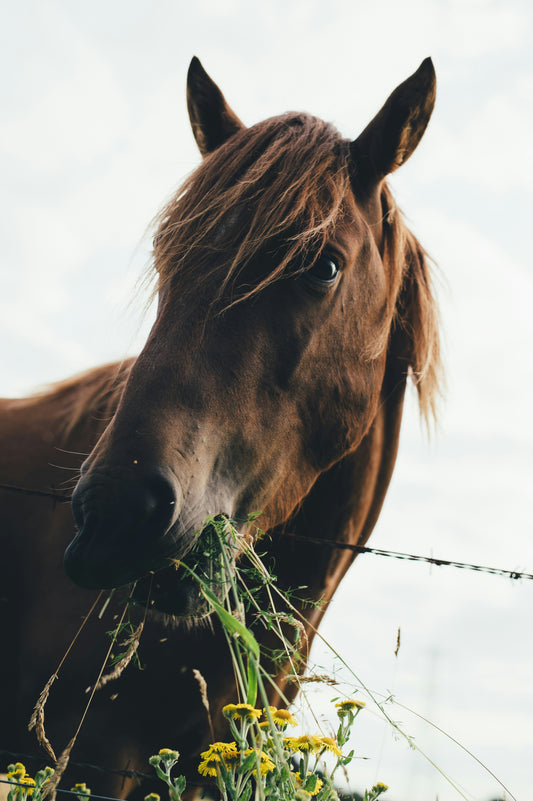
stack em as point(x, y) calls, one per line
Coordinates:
point(412, 557)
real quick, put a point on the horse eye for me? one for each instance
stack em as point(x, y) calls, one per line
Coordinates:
point(323, 272)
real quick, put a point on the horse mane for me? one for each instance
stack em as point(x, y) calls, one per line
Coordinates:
point(95, 392)
point(284, 181)
point(275, 188)
point(416, 317)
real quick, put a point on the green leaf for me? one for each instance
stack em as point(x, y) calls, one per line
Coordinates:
point(311, 783)
point(231, 623)
point(251, 697)
point(248, 764)
point(179, 784)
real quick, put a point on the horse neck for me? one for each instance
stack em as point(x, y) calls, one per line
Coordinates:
point(343, 505)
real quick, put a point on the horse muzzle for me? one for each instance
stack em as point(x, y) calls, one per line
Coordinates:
point(128, 525)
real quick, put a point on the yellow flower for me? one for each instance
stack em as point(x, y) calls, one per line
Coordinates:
point(381, 787)
point(290, 743)
point(241, 711)
point(281, 717)
point(209, 766)
point(17, 771)
point(81, 788)
point(168, 752)
point(350, 704)
point(329, 744)
point(309, 742)
point(215, 754)
point(29, 782)
point(219, 748)
point(230, 758)
point(266, 764)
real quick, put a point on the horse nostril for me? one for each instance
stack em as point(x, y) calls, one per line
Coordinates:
point(160, 499)
point(138, 505)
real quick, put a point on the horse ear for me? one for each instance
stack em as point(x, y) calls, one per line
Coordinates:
point(212, 120)
point(392, 136)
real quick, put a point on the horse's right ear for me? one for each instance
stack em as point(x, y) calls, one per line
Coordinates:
point(394, 133)
point(212, 120)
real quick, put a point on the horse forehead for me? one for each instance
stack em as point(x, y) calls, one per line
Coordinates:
point(352, 227)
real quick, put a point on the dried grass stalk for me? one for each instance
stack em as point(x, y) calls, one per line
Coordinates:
point(398, 642)
point(37, 719)
point(49, 789)
point(205, 700)
point(296, 624)
point(132, 643)
point(321, 678)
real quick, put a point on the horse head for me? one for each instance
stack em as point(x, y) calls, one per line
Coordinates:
point(288, 288)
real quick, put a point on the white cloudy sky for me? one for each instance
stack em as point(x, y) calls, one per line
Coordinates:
point(93, 138)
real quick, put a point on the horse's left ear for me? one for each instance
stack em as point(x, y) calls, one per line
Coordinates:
point(392, 136)
point(212, 120)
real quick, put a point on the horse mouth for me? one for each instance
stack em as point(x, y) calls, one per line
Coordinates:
point(176, 592)
point(173, 593)
point(171, 580)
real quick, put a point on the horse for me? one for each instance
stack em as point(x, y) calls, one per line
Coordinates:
point(293, 304)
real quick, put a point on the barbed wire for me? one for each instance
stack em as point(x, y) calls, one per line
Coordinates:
point(124, 772)
point(412, 557)
point(88, 796)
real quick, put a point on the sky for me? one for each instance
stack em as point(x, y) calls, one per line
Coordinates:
point(94, 137)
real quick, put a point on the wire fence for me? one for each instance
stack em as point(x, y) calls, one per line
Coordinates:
point(124, 772)
point(64, 792)
point(63, 497)
point(412, 557)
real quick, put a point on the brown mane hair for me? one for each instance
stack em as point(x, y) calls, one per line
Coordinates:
point(288, 177)
point(281, 181)
point(415, 332)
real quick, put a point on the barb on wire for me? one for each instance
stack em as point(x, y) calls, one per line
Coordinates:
point(496, 571)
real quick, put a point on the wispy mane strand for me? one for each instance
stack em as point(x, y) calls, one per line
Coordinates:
point(281, 181)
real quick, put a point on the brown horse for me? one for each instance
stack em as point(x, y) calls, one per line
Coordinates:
point(292, 304)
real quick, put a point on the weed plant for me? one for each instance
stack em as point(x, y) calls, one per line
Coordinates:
point(259, 758)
